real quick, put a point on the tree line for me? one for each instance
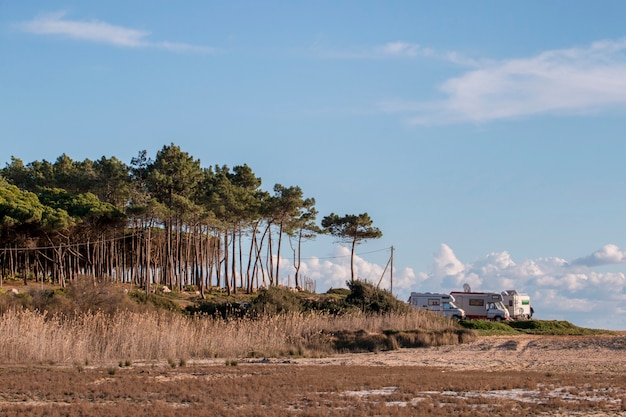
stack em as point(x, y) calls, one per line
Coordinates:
point(163, 221)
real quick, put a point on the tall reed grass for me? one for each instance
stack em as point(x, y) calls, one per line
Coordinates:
point(28, 336)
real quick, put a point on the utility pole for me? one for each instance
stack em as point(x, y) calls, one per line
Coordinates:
point(391, 271)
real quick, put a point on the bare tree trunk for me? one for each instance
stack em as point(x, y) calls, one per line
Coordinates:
point(270, 259)
point(234, 264)
point(148, 249)
point(280, 239)
point(226, 265)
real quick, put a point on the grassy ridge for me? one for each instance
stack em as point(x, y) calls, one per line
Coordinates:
point(100, 322)
point(28, 336)
point(538, 327)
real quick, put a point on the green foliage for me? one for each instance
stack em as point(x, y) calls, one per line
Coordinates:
point(55, 219)
point(351, 227)
point(543, 327)
point(51, 300)
point(155, 300)
point(66, 218)
point(373, 300)
point(338, 292)
point(77, 206)
point(275, 300)
point(18, 206)
point(81, 296)
point(552, 327)
point(361, 296)
point(362, 341)
point(333, 304)
point(488, 327)
point(224, 310)
point(174, 173)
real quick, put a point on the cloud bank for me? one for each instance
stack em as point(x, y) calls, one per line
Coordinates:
point(559, 290)
point(101, 32)
point(563, 81)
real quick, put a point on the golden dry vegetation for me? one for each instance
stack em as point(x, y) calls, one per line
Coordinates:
point(149, 362)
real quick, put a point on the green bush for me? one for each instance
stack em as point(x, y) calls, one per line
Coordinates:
point(329, 304)
point(278, 300)
point(553, 327)
point(371, 299)
point(338, 292)
point(224, 310)
point(543, 327)
point(157, 301)
point(275, 300)
point(487, 327)
point(51, 300)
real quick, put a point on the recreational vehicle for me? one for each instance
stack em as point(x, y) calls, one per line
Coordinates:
point(518, 305)
point(481, 305)
point(442, 304)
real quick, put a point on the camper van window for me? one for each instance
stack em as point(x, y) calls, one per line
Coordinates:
point(510, 303)
point(446, 306)
point(476, 302)
point(433, 302)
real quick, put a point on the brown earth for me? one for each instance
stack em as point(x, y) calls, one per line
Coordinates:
point(553, 376)
point(606, 354)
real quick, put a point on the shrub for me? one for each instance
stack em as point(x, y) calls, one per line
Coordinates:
point(487, 327)
point(373, 300)
point(90, 295)
point(275, 300)
point(155, 300)
point(554, 327)
point(53, 301)
point(225, 310)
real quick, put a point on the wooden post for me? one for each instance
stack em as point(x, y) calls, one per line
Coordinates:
point(391, 271)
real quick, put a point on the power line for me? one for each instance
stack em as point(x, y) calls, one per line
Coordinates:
point(63, 245)
point(347, 256)
point(115, 239)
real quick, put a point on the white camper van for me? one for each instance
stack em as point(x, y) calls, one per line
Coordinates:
point(482, 305)
point(518, 305)
point(442, 304)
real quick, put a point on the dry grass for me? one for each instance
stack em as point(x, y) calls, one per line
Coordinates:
point(146, 364)
point(30, 337)
point(268, 390)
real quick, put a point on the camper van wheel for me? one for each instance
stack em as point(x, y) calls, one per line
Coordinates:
point(498, 318)
point(456, 318)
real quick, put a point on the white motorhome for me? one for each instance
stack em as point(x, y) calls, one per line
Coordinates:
point(442, 304)
point(482, 305)
point(518, 305)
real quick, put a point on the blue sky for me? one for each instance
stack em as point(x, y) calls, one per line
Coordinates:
point(485, 138)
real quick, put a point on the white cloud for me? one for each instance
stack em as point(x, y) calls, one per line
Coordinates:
point(565, 81)
point(101, 32)
point(559, 290)
point(446, 262)
point(609, 254)
point(335, 272)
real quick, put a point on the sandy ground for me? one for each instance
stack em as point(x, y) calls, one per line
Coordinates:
point(570, 354)
point(575, 376)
